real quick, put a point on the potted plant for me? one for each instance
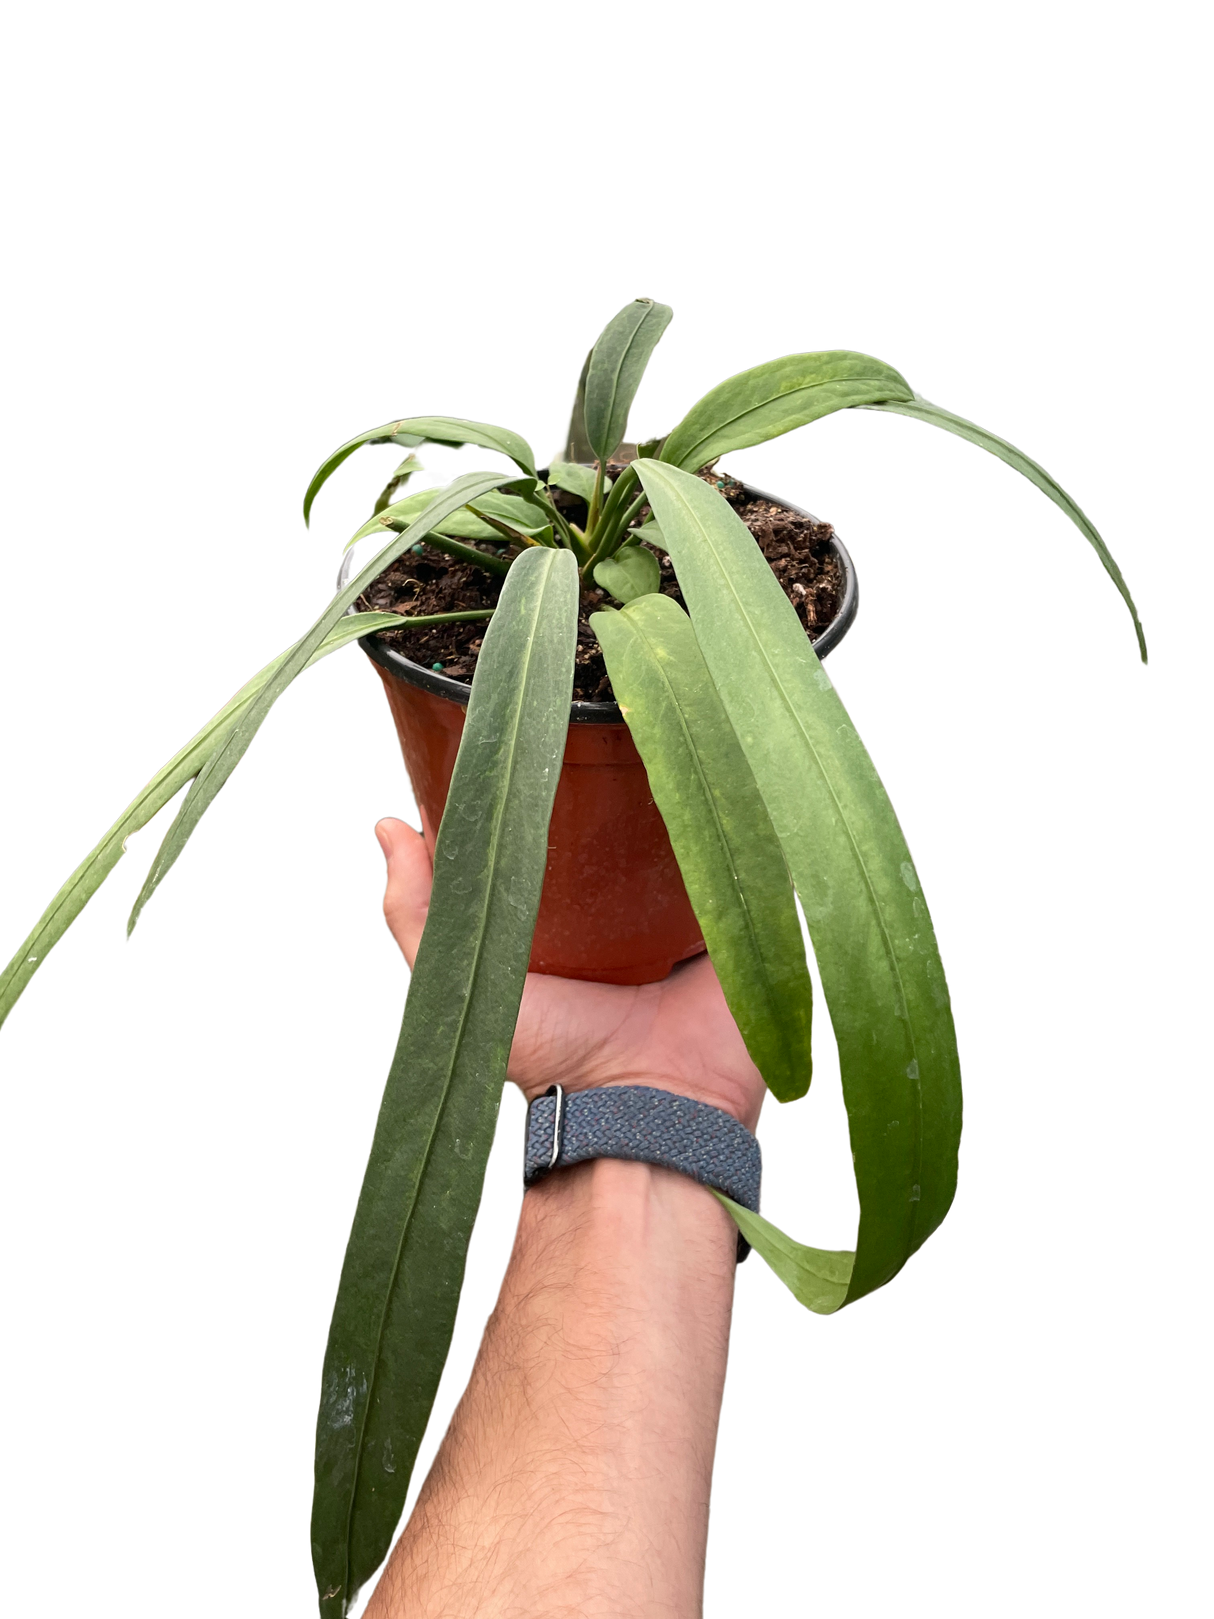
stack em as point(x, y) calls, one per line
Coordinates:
point(631, 570)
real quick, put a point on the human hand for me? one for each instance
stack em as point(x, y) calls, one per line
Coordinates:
point(677, 1035)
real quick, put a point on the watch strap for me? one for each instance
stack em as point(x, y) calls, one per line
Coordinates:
point(649, 1126)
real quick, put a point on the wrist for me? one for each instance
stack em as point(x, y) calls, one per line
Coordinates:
point(642, 1124)
point(634, 1219)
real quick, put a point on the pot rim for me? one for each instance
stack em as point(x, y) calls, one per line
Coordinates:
point(608, 713)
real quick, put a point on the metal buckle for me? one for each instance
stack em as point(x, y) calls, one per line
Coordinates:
point(558, 1124)
point(558, 1134)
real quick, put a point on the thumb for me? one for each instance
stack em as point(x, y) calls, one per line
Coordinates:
point(407, 897)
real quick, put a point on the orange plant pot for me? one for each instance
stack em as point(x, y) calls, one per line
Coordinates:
point(613, 907)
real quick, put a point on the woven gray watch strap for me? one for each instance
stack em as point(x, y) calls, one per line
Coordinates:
point(650, 1127)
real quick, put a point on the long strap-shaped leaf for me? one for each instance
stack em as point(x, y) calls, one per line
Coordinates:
point(413, 430)
point(722, 837)
point(924, 411)
point(871, 932)
point(463, 525)
point(164, 786)
point(405, 1261)
point(771, 399)
point(737, 880)
point(818, 1278)
point(774, 398)
point(617, 364)
point(228, 754)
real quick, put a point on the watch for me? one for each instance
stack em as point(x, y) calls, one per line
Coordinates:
point(648, 1126)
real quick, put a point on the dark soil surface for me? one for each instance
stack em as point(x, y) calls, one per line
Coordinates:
point(430, 582)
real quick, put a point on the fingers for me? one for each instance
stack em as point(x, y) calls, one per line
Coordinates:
point(407, 897)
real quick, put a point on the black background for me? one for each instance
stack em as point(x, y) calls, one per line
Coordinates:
point(199, 1103)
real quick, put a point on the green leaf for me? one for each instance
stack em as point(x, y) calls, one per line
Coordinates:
point(867, 917)
point(164, 786)
point(404, 1265)
point(411, 463)
point(617, 364)
point(774, 398)
point(575, 479)
point(922, 410)
point(629, 573)
point(818, 1278)
point(454, 432)
point(462, 524)
point(721, 834)
point(577, 445)
point(513, 509)
point(399, 481)
point(771, 399)
point(413, 430)
point(649, 533)
point(511, 535)
point(231, 750)
point(402, 475)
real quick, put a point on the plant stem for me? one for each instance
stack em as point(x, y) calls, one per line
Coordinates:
point(620, 529)
point(467, 553)
point(514, 535)
point(620, 490)
point(559, 522)
point(577, 544)
point(611, 530)
point(446, 618)
point(596, 500)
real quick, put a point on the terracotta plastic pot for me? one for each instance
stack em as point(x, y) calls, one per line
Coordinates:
point(613, 908)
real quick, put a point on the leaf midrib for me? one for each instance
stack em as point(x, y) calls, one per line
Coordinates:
point(163, 787)
point(768, 994)
point(619, 371)
point(440, 1110)
point(886, 941)
point(788, 393)
point(238, 739)
point(924, 410)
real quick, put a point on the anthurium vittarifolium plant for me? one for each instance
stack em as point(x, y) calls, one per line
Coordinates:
point(766, 790)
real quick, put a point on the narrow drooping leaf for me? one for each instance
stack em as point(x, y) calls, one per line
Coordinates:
point(922, 410)
point(521, 514)
point(414, 430)
point(461, 524)
point(867, 917)
point(818, 1278)
point(575, 479)
point(617, 364)
point(405, 1261)
point(629, 573)
point(163, 787)
point(721, 834)
point(774, 398)
point(231, 749)
point(781, 395)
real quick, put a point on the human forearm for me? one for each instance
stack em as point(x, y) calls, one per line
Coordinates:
point(575, 1476)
